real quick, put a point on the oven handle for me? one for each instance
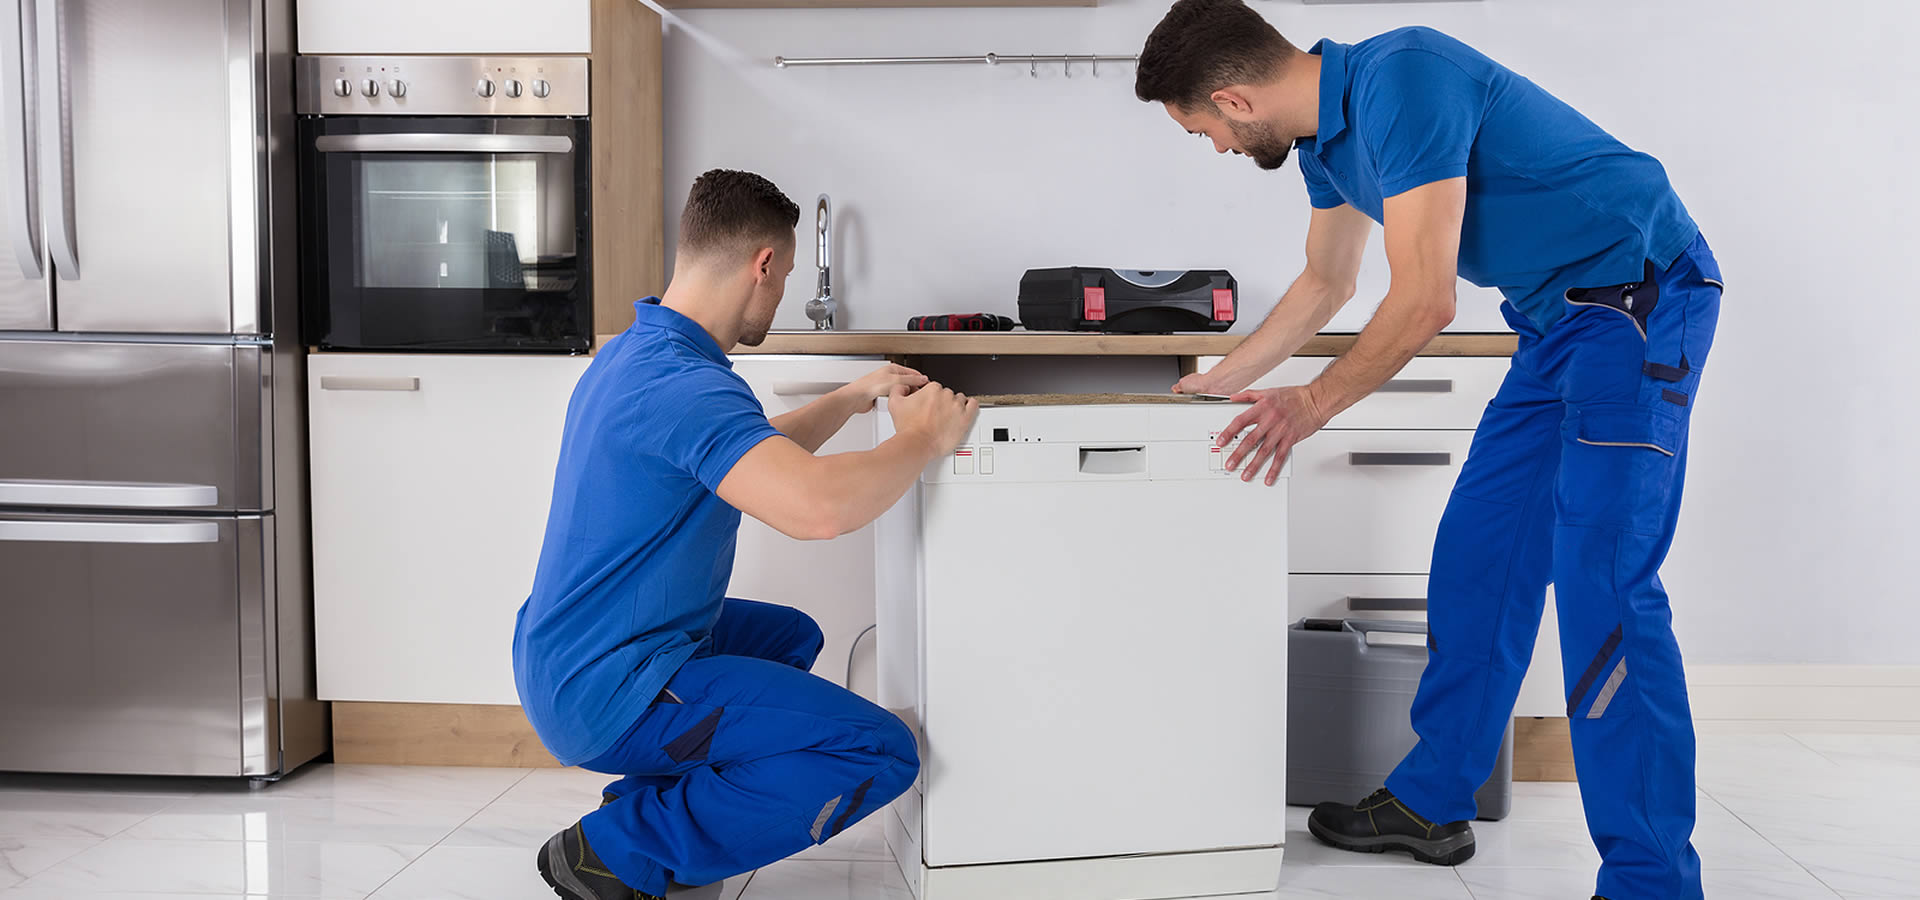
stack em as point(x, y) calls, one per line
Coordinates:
point(443, 143)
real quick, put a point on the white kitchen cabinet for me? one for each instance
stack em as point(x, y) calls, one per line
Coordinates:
point(1369, 502)
point(829, 580)
point(432, 475)
point(1431, 392)
point(444, 26)
point(1362, 533)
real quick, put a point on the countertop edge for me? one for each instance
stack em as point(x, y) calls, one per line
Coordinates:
point(911, 343)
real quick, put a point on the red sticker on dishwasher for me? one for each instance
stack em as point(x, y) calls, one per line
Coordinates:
point(1096, 303)
point(1222, 305)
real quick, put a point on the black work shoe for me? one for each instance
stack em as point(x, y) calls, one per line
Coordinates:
point(575, 873)
point(1381, 823)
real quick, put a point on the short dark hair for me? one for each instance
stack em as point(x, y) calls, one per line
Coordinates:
point(730, 212)
point(1204, 45)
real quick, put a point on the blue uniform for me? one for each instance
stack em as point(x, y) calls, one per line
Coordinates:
point(1574, 477)
point(1553, 202)
point(630, 660)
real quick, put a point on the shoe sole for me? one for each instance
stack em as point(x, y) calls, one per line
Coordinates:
point(555, 871)
point(1447, 851)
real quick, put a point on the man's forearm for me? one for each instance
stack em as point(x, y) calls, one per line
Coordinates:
point(814, 424)
point(1307, 307)
point(863, 485)
point(1403, 326)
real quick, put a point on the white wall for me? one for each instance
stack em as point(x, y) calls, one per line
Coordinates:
point(1788, 128)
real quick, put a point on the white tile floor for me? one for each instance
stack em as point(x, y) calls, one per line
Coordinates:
point(1788, 817)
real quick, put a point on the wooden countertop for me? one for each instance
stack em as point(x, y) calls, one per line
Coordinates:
point(1055, 343)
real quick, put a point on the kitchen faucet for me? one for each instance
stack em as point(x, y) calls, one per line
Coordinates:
point(821, 308)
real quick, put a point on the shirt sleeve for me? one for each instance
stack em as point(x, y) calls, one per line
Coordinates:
point(720, 420)
point(1320, 188)
point(1424, 115)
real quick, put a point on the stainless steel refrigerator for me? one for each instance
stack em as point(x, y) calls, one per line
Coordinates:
point(155, 613)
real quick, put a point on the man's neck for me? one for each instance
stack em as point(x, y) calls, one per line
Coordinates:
point(1302, 82)
point(699, 300)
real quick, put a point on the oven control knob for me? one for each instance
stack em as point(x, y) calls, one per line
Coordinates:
point(541, 88)
point(372, 88)
point(342, 87)
point(513, 88)
point(484, 88)
point(396, 88)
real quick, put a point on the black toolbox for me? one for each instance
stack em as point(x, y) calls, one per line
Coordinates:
point(1128, 301)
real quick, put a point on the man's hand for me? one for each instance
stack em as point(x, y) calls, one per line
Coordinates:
point(1278, 419)
point(881, 382)
point(1201, 383)
point(933, 413)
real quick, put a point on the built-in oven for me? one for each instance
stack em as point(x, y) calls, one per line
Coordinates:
point(444, 203)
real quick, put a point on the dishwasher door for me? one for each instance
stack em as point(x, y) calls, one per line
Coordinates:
point(1104, 649)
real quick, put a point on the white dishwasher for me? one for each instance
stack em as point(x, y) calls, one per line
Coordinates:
point(1084, 620)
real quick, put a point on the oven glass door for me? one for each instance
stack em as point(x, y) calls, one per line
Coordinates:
point(447, 233)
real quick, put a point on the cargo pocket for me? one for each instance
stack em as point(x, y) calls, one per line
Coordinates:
point(1619, 465)
point(1675, 313)
point(1636, 301)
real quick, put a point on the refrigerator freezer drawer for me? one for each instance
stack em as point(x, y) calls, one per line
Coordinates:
point(135, 426)
point(120, 651)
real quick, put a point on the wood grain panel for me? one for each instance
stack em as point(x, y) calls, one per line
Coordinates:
point(1022, 343)
point(629, 226)
point(434, 734)
point(1542, 750)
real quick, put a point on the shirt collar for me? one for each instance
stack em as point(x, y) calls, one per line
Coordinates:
point(1333, 89)
point(649, 314)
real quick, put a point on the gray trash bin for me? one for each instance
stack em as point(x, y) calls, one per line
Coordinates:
point(1348, 713)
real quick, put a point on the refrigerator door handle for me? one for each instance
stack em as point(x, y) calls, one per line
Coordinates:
point(69, 532)
point(107, 494)
point(56, 142)
point(23, 195)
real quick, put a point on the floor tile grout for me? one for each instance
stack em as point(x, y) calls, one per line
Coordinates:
point(1812, 749)
point(1770, 842)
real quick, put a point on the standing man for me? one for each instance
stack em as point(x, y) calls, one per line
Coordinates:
point(629, 658)
point(1575, 473)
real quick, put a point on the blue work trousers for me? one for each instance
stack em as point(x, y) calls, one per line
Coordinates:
point(1574, 479)
point(745, 760)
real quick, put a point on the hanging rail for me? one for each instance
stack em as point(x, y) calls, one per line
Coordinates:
point(1033, 61)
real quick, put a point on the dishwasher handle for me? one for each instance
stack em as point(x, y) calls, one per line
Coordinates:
point(1129, 460)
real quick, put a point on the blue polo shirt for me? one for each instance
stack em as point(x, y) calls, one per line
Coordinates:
point(1553, 202)
point(639, 546)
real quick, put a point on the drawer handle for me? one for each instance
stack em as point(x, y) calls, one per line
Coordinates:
point(806, 388)
point(61, 532)
point(1386, 604)
point(368, 383)
point(107, 494)
point(1417, 386)
point(1399, 459)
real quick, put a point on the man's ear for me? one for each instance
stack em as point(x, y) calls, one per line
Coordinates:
point(763, 264)
point(1232, 103)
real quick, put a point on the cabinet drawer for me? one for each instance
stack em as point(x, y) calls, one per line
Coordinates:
point(1431, 392)
point(1368, 502)
point(1396, 598)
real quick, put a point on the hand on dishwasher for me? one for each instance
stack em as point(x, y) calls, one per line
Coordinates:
point(1278, 419)
point(934, 412)
point(881, 383)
